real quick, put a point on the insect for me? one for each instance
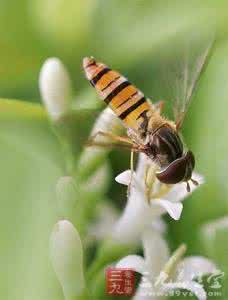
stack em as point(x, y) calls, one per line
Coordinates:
point(148, 131)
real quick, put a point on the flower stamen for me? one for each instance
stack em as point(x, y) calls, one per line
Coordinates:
point(170, 266)
point(149, 179)
point(153, 187)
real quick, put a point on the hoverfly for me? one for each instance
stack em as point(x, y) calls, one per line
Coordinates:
point(148, 131)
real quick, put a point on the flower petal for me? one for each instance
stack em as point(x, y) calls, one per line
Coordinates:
point(135, 217)
point(156, 251)
point(137, 214)
point(143, 161)
point(179, 191)
point(124, 177)
point(195, 266)
point(159, 225)
point(174, 209)
point(134, 262)
point(194, 287)
point(145, 291)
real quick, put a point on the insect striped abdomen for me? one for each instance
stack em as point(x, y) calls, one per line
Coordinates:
point(124, 99)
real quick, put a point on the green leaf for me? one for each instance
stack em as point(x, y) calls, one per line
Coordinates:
point(26, 127)
point(31, 161)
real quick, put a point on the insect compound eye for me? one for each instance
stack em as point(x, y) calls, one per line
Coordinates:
point(168, 143)
point(179, 170)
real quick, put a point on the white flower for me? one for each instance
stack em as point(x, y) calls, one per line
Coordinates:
point(161, 274)
point(67, 258)
point(147, 202)
point(107, 219)
point(55, 87)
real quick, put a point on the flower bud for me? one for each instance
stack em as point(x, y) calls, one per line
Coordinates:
point(67, 258)
point(55, 87)
point(93, 157)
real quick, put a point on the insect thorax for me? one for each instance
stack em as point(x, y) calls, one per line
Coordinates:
point(164, 145)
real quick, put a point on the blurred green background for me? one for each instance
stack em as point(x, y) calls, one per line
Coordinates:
point(129, 36)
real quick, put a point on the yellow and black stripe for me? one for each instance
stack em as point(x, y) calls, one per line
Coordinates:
point(125, 99)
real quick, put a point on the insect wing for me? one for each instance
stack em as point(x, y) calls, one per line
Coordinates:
point(183, 69)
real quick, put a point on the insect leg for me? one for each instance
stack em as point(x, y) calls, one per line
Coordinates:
point(113, 137)
point(146, 182)
point(132, 161)
point(120, 145)
point(134, 136)
point(132, 171)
